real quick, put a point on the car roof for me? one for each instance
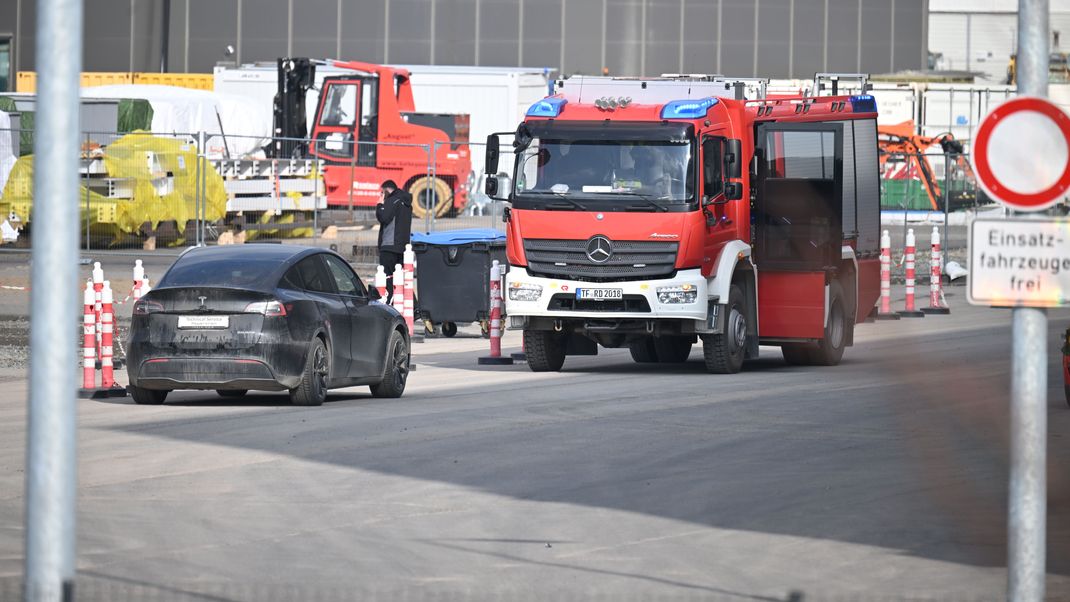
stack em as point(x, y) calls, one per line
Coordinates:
point(284, 255)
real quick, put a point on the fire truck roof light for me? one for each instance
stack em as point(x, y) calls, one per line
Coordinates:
point(687, 109)
point(547, 107)
point(863, 103)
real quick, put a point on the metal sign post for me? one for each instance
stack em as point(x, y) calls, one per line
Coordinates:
point(51, 432)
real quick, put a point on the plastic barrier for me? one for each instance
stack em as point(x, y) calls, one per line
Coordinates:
point(380, 282)
point(139, 280)
point(409, 300)
point(936, 294)
point(89, 339)
point(885, 312)
point(98, 290)
point(911, 247)
point(107, 332)
point(495, 357)
point(399, 289)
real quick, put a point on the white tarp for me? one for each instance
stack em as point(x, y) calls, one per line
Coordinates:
point(185, 111)
point(7, 149)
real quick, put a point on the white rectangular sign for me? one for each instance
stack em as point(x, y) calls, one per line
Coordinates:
point(1019, 262)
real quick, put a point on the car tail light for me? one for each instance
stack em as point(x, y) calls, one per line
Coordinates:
point(144, 307)
point(270, 309)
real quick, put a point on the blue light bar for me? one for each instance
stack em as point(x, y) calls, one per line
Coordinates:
point(863, 103)
point(547, 107)
point(687, 109)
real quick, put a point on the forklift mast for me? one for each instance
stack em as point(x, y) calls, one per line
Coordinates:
point(295, 77)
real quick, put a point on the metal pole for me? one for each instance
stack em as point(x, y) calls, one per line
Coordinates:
point(87, 218)
point(947, 208)
point(427, 214)
point(165, 35)
point(51, 461)
point(1027, 505)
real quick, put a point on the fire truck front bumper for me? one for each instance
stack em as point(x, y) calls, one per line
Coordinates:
point(681, 298)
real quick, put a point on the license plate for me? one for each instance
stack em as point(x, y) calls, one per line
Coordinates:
point(599, 294)
point(203, 322)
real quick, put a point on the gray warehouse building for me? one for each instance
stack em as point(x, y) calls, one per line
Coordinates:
point(768, 38)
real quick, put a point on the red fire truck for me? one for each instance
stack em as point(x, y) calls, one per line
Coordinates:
point(367, 130)
point(653, 213)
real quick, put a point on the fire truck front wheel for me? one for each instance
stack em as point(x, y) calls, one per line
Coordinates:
point(545, 350)
point(724, 352)
point(829, 350)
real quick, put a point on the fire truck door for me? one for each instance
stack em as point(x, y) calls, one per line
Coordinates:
point(798, 210)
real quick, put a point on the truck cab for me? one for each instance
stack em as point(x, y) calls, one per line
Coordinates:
point(655, 213)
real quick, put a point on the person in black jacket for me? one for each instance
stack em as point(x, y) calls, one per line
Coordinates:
point(394, 213)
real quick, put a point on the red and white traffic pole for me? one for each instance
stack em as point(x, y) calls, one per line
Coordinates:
point(139, 280)
point(89, 338)
point(409, 258)
point(495, 357)
point(909, 310)
point(380, 282)
point(98, 288)
point(398, 300)
point(107, 321)
point(936, 303)
point(885, 312)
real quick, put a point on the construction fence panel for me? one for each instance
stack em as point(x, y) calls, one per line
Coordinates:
point(933, 182)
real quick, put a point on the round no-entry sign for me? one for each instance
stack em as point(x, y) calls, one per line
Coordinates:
point(1021, 153)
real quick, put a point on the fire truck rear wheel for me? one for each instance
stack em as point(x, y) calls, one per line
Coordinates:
point(829, 351)
point(545, 350)
point(724, 352)
point(643, 351)
point(430, 192)
point(672, 350)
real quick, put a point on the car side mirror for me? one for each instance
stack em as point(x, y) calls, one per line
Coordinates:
point(491, 161)
point(373, 294)
point(733, 158)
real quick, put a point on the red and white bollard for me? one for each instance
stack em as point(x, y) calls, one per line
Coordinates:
point(89, 339)
point(410, 298)
point(107, 325)
point(936, 302)
point(495, 357)
point(98, 289)
point(885, 312)
point(398, 301)
point(139, 280)
point(910, 311)
point(380, 282)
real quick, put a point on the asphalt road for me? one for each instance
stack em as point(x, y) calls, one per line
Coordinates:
point(884, 476)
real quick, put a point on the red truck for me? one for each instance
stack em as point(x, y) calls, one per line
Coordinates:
point(654, 213)
point(367, 130)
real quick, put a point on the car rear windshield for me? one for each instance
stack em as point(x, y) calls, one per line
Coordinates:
point(204, 270)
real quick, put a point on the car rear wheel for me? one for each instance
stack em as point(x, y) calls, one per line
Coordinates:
point(397, 368)
point(152, 397)
point(312, 390)
point(232, 392)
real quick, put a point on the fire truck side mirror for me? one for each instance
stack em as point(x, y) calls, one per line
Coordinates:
point(733, 158)
point(491, 187)
point(491, 165)
point(733, 191)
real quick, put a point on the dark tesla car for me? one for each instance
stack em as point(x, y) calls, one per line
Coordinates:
point(264, 317)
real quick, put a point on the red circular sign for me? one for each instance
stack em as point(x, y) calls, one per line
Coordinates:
point(980, 155)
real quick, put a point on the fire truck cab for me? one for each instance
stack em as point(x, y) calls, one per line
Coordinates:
point(656, 213)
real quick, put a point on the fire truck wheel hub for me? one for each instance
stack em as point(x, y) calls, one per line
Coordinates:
point(738, 328)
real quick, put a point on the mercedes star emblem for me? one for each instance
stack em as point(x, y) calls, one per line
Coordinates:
point(599, 249)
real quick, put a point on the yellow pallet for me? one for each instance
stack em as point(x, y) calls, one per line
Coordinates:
point(195, 81)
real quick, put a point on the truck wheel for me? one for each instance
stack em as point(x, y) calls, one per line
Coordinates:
point(449, 329)
point(545, 350)
point(643, 351)
point(672, 350)
point(152, 397)
point(724, 352)
point(430, 194)
point(829, 351)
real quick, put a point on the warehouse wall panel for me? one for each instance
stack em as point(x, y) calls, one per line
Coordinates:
point(700, 36)
point(106, 38)
point(908, 43)
point(843, 35)
point(263, 33)
point(876, 36)
point(213, 25)
point(455, 31)
point(542, 33)
point(583, 37)
point(808, 49)
point(774, 31)
point(362, 30)
point(410, 31)
point(662, 36)
point(315, 28)
point(737, 42)
point(499, 40)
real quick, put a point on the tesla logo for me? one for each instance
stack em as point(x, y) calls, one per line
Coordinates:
point(202, 300)
point(599, 249)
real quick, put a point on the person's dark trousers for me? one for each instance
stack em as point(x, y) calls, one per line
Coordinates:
point(388, 259)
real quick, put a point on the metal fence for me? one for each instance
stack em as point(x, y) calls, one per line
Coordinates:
point(935, 182)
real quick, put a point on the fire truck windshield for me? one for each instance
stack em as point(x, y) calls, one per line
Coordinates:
point(639, 175)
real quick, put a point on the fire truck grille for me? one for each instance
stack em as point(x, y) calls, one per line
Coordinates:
point(629, 260)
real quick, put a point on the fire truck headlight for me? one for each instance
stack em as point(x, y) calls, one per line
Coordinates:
point(683, 293)
point(519, 291)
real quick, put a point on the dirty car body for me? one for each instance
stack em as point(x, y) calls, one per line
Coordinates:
point(248, 317)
